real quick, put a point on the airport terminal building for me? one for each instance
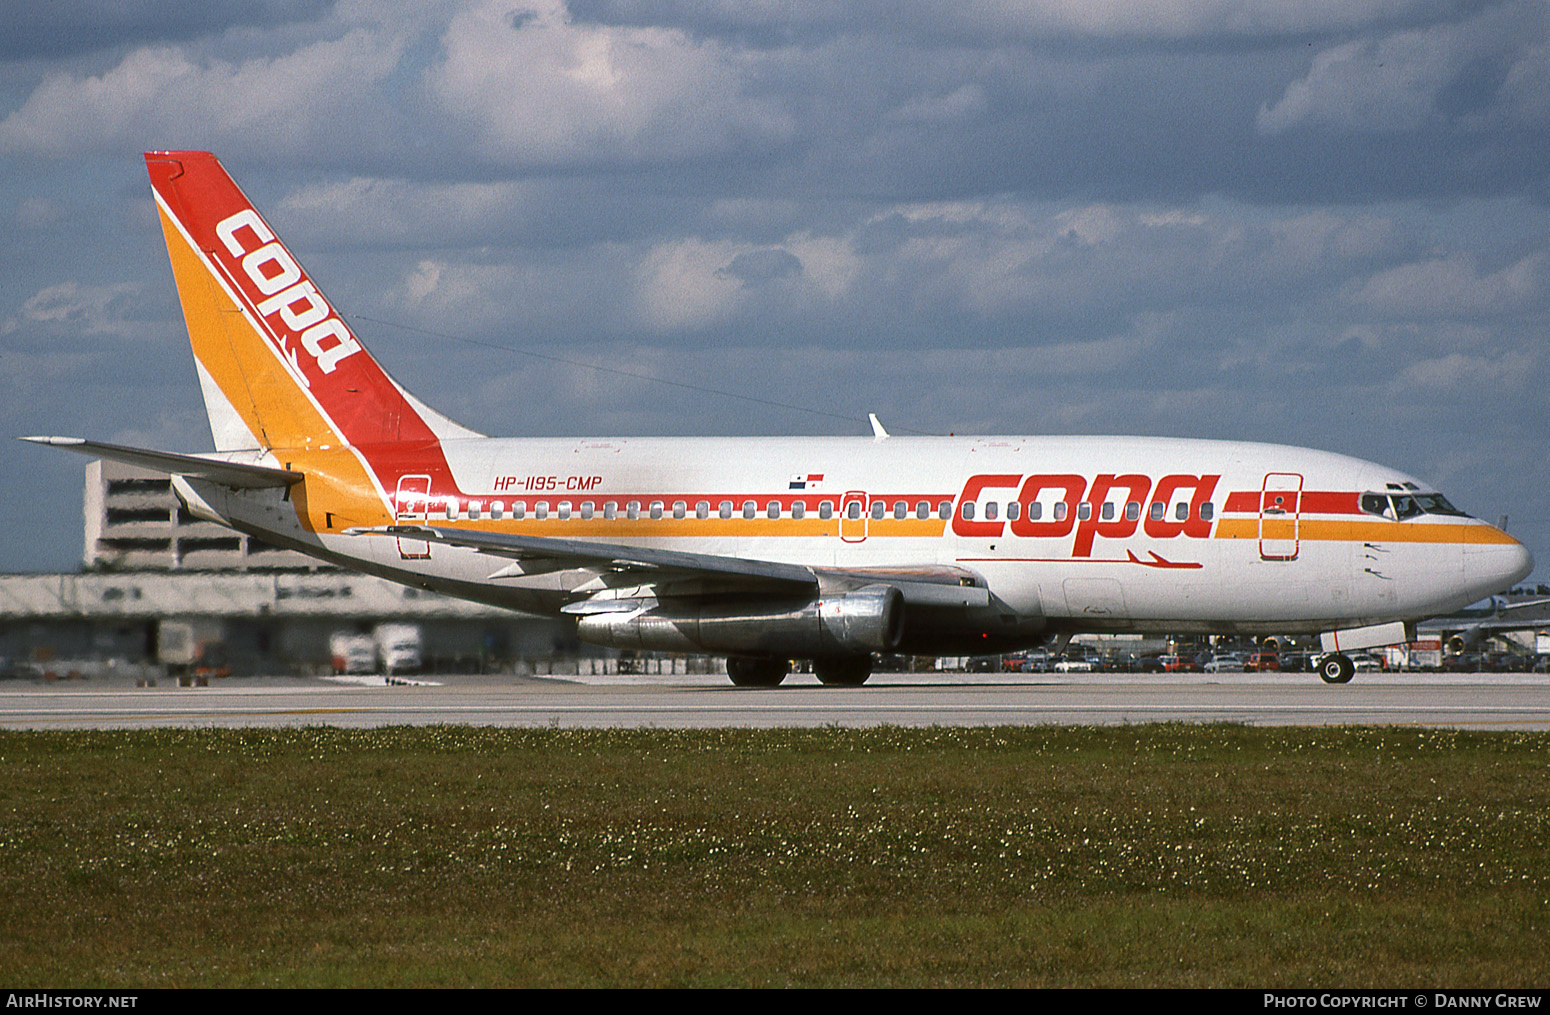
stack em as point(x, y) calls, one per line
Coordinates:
point(160, 588)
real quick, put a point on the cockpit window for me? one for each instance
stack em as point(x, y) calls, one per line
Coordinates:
point(1408, 505)
point(1376, 504)
point(1437, 504)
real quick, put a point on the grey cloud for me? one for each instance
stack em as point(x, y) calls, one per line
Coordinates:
point(755, 267)
point(55, 28)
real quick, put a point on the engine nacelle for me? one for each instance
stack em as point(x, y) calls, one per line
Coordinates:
point(870, 619)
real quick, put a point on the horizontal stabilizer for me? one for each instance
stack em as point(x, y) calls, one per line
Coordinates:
point(235, 474)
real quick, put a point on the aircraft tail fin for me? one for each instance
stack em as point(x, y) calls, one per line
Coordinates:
point(278, 366)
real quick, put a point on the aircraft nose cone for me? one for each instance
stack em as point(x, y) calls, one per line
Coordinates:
point(1495, 562)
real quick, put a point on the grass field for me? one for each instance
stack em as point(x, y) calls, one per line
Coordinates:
point(1144, 855)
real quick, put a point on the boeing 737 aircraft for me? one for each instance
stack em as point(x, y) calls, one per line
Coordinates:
point(767, 550)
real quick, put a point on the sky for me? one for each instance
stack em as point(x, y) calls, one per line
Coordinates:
point(1307, 222)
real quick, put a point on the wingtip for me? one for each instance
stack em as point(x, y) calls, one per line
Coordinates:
point(58, 442)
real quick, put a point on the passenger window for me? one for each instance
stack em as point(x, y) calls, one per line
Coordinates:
point(923, 509)
point(991, 511)
point(541, 510)
point(1036, 511)
point(702, 509)
point(564, 511)
point(1133, 511)
point(1155, 512)
point(632, 510)
point(586, 509)
point(1181, 513)
point(900, 509)
point(452, 510)
point(772, 509)
point(878, 508)
point(724, 509)
point(656, 509)
point(497, 509)
point(1084, 511)
point(798, 508)
point(1108, 511)
point(853, 510)
point(475, 508)
point(1061, 511)
point(610, 510)
point(519, 509)
point(1206, 511)
point(1013, 510)
point(680, 508)
point(750, 509)
point(825, 509)
point(968, 511)
point(944, 510)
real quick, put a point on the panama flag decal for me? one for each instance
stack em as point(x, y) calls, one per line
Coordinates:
point(806, 481)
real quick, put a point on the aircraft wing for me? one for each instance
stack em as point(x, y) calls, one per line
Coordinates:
point(645, 564)
point(922, 586)
point(235, 474)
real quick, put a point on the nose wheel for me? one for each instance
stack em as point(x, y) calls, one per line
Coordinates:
point(1336, 669)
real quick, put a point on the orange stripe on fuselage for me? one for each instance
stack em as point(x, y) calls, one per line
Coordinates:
point(1322, 530)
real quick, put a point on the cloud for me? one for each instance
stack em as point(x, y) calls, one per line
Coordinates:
point(53, 28)
point(1485, 71)
point(1464, 375)
point(1454, 287)
point(73, 309)
point(769, 264)
point(532, 87)
point(1025, 21)
point(321, 95)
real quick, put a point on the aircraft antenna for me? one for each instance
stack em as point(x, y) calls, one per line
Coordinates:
point(871, 418)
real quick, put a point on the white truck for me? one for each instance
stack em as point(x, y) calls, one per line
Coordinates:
point(352, 652)
point(398, 647)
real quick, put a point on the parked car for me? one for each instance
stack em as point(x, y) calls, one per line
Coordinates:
point(1294, 662)
point(1366, 662)
point(1224, 662)
point(1180, 664)
point(1259, 662)
point(1070, 665)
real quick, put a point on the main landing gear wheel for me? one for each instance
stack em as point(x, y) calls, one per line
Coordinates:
point(1336, 669)
point(757, 672)
point(846, 672)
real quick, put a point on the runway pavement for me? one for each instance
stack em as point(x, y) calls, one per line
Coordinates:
point(1468, 701)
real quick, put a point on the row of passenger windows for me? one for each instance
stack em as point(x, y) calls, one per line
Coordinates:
point(634, 509)
point(879, 509)
point(1107, 511)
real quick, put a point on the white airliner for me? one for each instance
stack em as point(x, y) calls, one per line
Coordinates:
point(772, 549)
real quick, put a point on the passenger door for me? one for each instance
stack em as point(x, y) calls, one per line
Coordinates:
point(1280, 511)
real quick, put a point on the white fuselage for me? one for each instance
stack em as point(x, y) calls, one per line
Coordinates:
point(1068, 533)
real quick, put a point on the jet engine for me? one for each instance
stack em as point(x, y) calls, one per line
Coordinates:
point(869, 619)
